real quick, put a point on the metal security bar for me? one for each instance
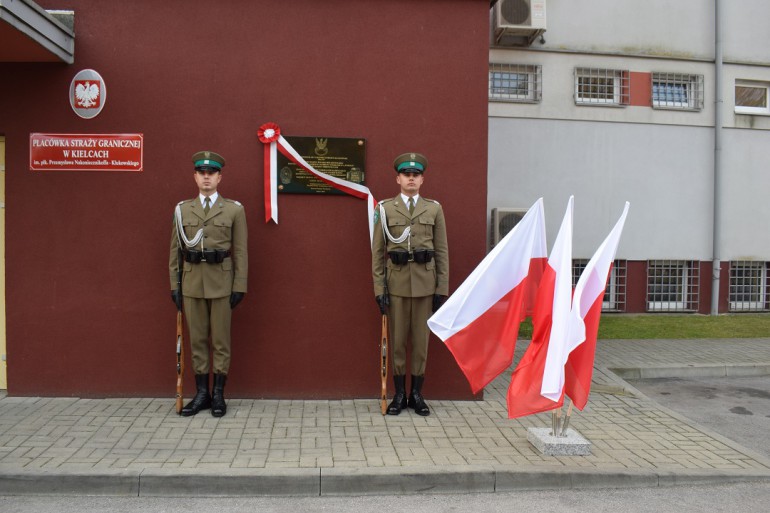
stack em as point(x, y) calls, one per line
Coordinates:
point(515, 83)
point(677, 91)
point(615, 293)
point(602, 87)
point(749, 286)
point(673, 285)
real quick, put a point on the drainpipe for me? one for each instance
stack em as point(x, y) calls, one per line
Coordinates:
point(718, 115)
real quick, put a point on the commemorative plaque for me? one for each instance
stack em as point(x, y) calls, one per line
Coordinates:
point(340, 157)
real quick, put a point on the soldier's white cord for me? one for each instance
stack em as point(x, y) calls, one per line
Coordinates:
point(180, 230)
point(385, 230)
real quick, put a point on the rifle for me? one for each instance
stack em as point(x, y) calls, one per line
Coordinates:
point(384, 365)
point(179, 340)
point(179, 361)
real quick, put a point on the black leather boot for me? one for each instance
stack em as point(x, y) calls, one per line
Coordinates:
point(416, 401)
point(202, 399)
point(218, 405)
point(399, 398)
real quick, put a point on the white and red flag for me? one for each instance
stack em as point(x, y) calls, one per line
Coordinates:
point(551, 327)
point(586, 310)
point(480, 322)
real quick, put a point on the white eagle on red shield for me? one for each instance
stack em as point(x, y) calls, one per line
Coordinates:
point(87, 94)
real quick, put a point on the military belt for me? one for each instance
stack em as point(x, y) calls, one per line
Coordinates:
point(403, 257)
point(210, 256)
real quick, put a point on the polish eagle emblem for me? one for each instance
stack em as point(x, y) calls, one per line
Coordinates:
point(87, 94)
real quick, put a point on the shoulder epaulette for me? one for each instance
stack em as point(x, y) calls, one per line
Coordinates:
point(232, 201)
point(432, 201)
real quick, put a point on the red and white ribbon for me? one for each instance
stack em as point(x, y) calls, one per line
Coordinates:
point(270, 135)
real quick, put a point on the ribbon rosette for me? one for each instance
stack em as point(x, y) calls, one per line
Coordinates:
point(268, 133)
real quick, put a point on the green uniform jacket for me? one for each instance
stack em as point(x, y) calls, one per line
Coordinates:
point(223, 228)
point(428, 232)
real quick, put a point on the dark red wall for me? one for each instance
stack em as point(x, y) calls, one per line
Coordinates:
point(88, 307)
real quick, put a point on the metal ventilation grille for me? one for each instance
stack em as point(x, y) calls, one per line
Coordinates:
point(515, 12)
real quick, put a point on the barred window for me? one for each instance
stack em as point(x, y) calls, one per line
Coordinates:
point(515, 82)
point(595, 86)
point(748, 286)
point(677, 91)
point(673, 285)
point(752, 97)
point(615, 294)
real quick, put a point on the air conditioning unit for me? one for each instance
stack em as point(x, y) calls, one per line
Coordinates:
point(503, 220)
point(523, 19)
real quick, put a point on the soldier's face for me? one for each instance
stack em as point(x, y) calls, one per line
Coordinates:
point(410, 183)
point(207, 181)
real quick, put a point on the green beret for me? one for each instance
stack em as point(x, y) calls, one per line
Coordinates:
point(208, 160)
point(410, 163)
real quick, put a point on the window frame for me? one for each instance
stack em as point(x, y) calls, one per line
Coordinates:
point(620, 95)
point(614, 299)
point(745, 109)
point(684, 275)
point(693, 88)
point(755, 287)
point(529, 74)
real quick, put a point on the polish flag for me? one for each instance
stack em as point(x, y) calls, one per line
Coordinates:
point(479, 323)
point(586, 310)
point(551, 323)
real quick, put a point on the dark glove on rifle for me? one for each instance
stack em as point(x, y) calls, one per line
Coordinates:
point(383, 301)
point(437, 302)
point(176, 297)
point(235, 298)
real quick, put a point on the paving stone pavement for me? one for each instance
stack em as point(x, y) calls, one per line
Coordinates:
point(139, 446)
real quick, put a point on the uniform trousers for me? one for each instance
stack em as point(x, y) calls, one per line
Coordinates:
point(204, 317)
point(408, 318)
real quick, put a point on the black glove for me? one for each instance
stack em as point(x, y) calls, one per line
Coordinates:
point(383, 301)
point(176, 297)
point(438, 300)
point(235, 298)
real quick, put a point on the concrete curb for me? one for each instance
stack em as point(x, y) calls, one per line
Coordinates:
point(407, 480)
point(41, 482)
point(230, 482)
point(353, 482)
point(699, 371)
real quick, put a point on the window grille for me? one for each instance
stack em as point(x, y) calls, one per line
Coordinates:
point(515, 83)
point(677, 91)
point(749, 286)
point(615, 294)
point(595, 86)
point(673, 285)
point(752, 97)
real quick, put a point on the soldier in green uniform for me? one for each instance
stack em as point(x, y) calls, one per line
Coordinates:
point(410, 268)
point(209, 241)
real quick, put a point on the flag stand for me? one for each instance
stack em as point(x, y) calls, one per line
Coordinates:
point(557, 428)
point(566, 420)
point(558, 440)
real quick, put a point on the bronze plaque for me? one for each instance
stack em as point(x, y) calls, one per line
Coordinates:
point(340, 157)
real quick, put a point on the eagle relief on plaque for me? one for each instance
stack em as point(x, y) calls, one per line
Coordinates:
point(340, 157)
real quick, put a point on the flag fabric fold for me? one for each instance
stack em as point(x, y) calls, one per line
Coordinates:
point(480, 322)
point(586, 310)
point(551, 328)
